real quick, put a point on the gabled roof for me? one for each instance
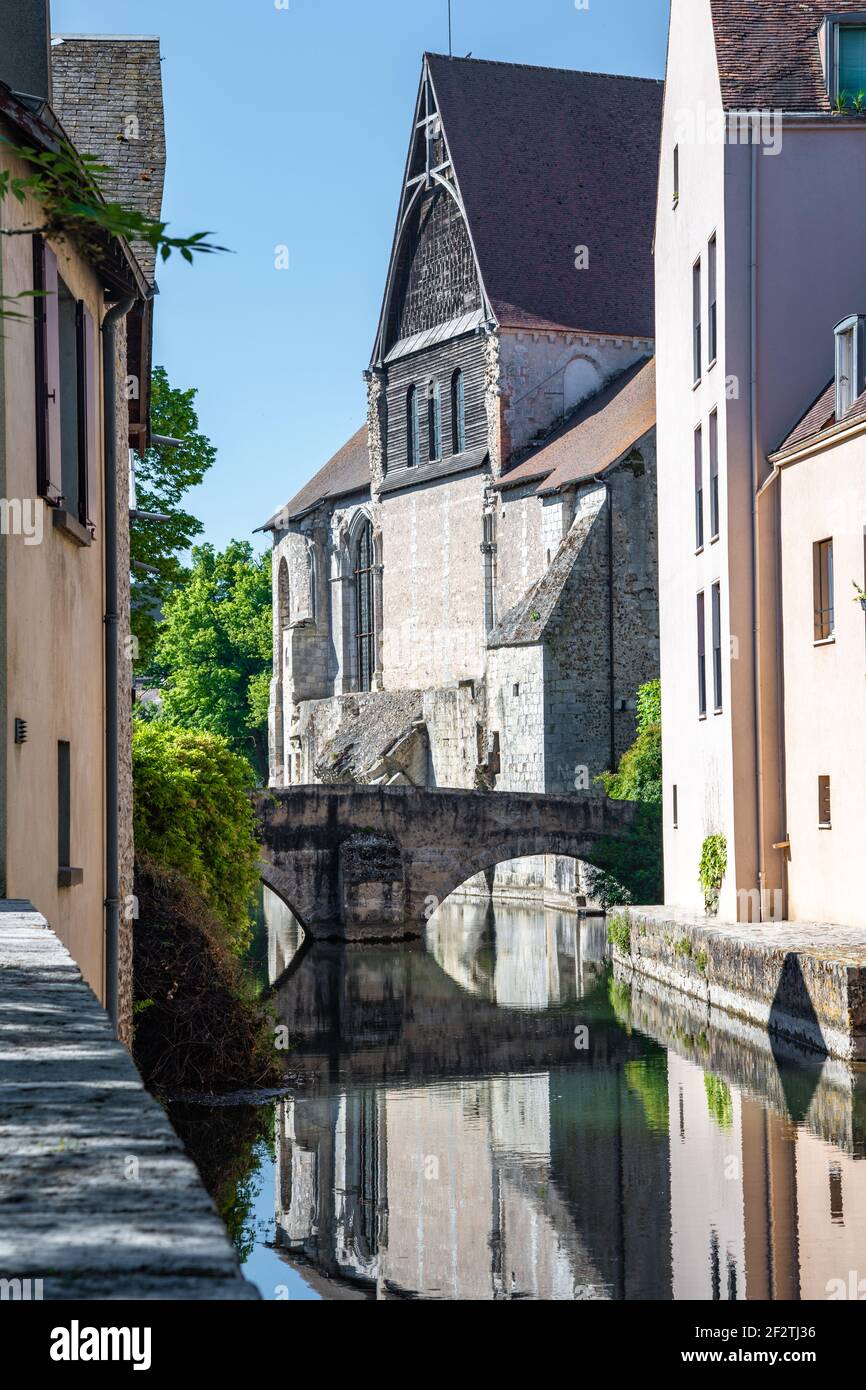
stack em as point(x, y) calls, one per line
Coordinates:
point(98, 85)
point(768, 52)
point(821, 417)
point(347, 472)
point(594, 437)
point(547, 160)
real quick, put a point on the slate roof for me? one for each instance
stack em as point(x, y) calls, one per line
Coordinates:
point(347, 472)
point(768, 53)
point(548, 159)
point(98, 84)
point(595, 436)
point(822, 416)
point(527, 622)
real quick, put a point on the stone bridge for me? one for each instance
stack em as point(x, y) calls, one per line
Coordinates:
point(368, 863)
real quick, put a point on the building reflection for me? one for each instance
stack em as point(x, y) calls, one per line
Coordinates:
point(451, 1141)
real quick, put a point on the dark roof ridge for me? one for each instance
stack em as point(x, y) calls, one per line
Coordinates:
point(543, 67)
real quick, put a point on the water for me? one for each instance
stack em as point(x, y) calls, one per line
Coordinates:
point(491, 1114)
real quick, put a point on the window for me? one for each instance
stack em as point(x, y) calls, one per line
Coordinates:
point(696, 322)
point(702, 658)
point(714, 476)
point(851, 60)
point(458, 412)
point(365, 609)
point(717, 648)
point(67, 877)
point(848, 365)
point(676, 175)
point(825, 804)
point(676, 807)
point(822, 566)
point(413, 428)
point(66, 386)
point(699, 489)
point(434, 422)
point(712, 310)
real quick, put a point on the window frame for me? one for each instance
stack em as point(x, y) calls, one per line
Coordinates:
point(697, 322)
point(825, 802)
point(823, 592)
point(715, 508)
point(413, 428)
point(364, 574)
point(458, 411)
point(699, 489)
point(836, 24)
point(712, 300)
point(718, 675)
point(435, 452)
point(676, 172)
point(702, 654)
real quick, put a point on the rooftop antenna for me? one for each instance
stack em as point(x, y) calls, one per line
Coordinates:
point(450, 45)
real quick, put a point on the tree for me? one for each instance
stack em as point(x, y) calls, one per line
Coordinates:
point(192, 816)
point(162, 478)
point(213, 651)
point(630, 870)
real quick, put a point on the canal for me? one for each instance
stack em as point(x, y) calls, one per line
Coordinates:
point(492, 1114)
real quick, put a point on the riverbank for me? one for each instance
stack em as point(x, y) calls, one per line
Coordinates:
point(98, 1199)
point(802, 981)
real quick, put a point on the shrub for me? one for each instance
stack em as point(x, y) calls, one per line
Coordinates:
point(619, 932)
point(192, 815)
point(712, 870)
point(198, 1024)
point(630, 871)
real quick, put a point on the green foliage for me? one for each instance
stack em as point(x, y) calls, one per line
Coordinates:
point(619, 932)
point(639, 776)
point(719, 1101)
point(162, 478)
point(214, 649)
point(702, 960)
point(683, 947)
point(192, 815)
point(648, 1079)
point(712, 870)
point(69, 189)
point(630, 871)
point(840, 104)
point(859, 594)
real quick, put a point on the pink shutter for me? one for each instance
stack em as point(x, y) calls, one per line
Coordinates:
point(50, 384)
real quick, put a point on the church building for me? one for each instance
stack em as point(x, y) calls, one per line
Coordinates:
point(466, 594)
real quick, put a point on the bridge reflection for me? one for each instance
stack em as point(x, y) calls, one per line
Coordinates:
point(450, 1141)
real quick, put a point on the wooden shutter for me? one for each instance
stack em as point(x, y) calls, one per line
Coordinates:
point(46, 316)
point(88, 464)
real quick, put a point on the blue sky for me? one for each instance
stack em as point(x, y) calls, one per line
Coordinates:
point(290, 127)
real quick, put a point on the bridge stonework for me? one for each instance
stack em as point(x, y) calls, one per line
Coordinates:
point(373, 863)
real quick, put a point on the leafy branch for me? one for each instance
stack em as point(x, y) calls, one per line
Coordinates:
point(69, 189)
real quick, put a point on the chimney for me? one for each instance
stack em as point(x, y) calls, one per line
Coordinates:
point(25, 47)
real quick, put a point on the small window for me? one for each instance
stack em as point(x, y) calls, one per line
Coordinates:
point(699, 488)
point(365, 609)
point(717, 648)
point(848, 365)
point(825, 805)
point(676, 175)
point(851, 61)
point(458, 412)
point(702, 658)
point(696, 322)
point(516, 689)
point(822, 565)
point(413, 428)
point(714, 476)
point(67, 876)
point(434, 422)
point(676, 807)
point(712, 309)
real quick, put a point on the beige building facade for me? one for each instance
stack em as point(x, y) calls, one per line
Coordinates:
point(74, 391)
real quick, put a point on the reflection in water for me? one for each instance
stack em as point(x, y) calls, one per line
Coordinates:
point(496, 1116)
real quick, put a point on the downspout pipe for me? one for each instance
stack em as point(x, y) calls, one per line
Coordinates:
point(756, 483)
point(116, 314)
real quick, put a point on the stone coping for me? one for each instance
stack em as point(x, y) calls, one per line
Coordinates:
point(805, 981)
point(98, 1199)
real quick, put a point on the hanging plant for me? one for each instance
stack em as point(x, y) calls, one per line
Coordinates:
point(859, 595)
point(713, 867)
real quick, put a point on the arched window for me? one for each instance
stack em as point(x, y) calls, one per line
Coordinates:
point(311, 582)
point(365, 609)
point(413, 428)
point(458, 412)
point(434, 422)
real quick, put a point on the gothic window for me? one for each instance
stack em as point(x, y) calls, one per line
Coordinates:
point(311, 582)
point(365, 609)
point(458, 412)
point(413, 428)
point(434, 422)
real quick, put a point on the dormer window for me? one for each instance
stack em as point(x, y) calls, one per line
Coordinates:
point(850, 363)
point(850, 61)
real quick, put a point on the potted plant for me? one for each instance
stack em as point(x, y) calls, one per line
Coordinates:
point(840, 105)
point(859, 595)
